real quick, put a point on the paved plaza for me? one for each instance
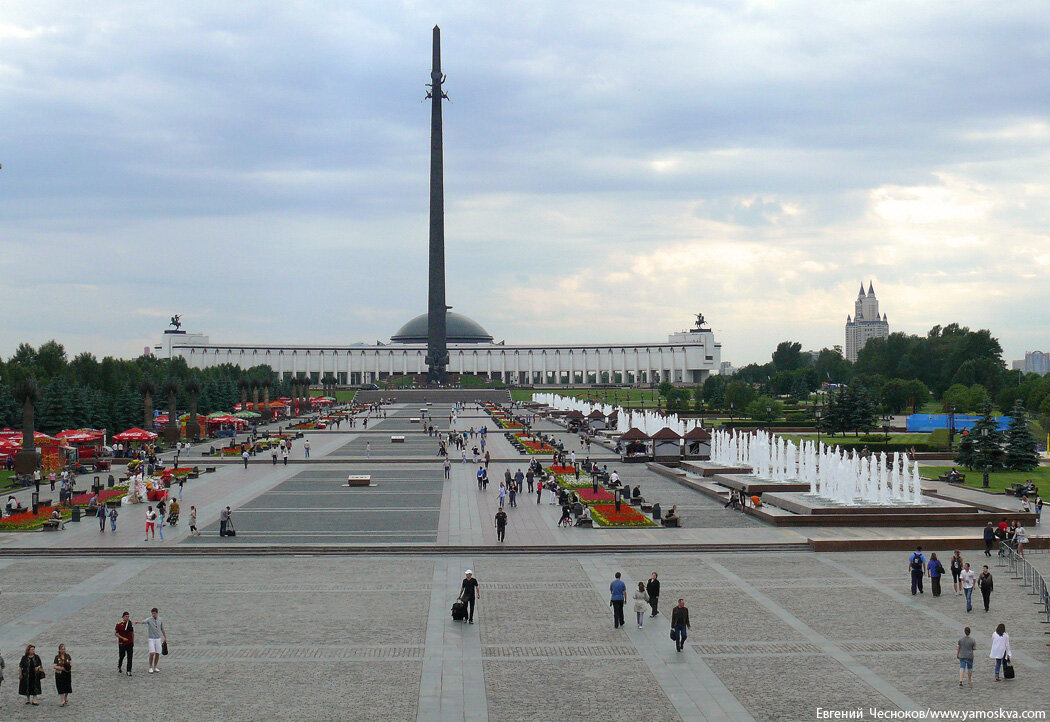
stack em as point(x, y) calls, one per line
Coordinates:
point(333, 603)
point(774, 636)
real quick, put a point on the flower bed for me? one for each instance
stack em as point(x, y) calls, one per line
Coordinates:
point(533, 446)
point(589, 496)
point(556, 469)
point(28, 521)
point(571, 482)
point(628, 516)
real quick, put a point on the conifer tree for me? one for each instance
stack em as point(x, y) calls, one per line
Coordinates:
point(1021, 453)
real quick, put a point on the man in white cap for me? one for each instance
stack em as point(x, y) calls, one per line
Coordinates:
point(469, 592)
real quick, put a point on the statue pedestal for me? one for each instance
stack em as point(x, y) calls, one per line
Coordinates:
point(27, 461)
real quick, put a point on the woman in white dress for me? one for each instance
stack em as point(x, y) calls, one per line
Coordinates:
point(1000, 650)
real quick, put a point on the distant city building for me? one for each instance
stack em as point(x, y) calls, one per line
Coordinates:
point(865, 324)
point(1035, 362)
point(726, 369)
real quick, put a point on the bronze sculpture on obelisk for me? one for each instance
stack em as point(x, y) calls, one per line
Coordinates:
point(437, 340)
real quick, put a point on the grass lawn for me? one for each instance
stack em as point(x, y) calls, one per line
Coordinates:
point(7, 480)
point(850, 439)
point(997, 480)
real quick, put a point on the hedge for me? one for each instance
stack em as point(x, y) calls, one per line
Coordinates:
point(768, 425)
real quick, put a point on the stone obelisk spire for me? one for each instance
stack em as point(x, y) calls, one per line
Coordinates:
point(437, 341)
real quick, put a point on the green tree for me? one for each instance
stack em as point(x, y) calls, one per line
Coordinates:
point(765, 408)
point(964, 457)
point(788, 356)
point(987, 441)
point(739, 394)
point(957, 397)
point(1021, 450)
point(715, 391)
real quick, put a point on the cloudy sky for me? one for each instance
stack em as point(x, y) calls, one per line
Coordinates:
point(611, 169)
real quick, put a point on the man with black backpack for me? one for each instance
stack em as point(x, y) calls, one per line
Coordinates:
point(917, 565)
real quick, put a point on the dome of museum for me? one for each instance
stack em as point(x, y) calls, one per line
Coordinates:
point(458, 329)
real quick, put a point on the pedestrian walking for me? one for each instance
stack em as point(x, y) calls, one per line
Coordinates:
point(956, 567)
point(157, 638)
point(917, 565)
point(641, 599)
point(539, 491)
point(936, 570)
point(967, 579)
point(306, 448)
point(273, 456)
point(2, 666)
point(652, 588)
point(100, 513)
point(151, 523)
point(182, 485)
point(512, 494)
point(1000, 651)
point(193, 521)
point(501, 524)
point(618, 595)
point(125, 634)
point(30, 672)
point(502, 495)
point(680, 624)
point(967, 645)
point(244, 458)
point(530, 480)
point(113, 514)
point(284, 456)
point(1020, 538)
point(63, 675)
point(989, 539)
point(161, 510)
point(224, 520)
point(448, 468)
point(469, 591)
point(984, 581)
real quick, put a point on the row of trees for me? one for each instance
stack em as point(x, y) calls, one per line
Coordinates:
point(986, 448)
point(116, 394)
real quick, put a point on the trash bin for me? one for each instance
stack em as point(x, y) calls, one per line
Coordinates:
point(36, 502)
point(111, 481)
point(76, 514)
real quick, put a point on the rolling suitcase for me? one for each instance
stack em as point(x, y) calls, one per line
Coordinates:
point(459, 610)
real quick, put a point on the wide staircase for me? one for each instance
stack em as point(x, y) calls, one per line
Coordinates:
point(437, 396)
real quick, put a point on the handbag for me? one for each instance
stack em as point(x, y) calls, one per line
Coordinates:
point(674, 634)
point(1008, 669)
point(164, 648)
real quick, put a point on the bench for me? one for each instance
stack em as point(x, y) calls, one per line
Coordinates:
point(209, 469)
point(397, 439)
point(52, 525)
point(589, 523)
point(113, 503)
point(959, 478)
point(413, 420)
point(646, 507)
point(1018, 491)
point(358, 480)
point(44, 502)
point(671, 522)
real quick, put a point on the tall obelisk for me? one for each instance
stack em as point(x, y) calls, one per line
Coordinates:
point(437, 340)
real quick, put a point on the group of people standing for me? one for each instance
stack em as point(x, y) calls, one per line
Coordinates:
point(31, 672)
point(648, 595)
point(964, 579)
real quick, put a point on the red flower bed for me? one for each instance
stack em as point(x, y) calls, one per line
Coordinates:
point(102, 495)
point(556, 469)
point(26, 519)
point(606, 515)
point(589, 496)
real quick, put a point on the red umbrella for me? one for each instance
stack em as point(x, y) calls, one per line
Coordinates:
point(135, 434)
point(80, 436)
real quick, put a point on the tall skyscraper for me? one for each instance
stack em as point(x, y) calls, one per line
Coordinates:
point(866, 323)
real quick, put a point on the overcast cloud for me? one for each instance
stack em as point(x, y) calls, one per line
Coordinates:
point(611, 169)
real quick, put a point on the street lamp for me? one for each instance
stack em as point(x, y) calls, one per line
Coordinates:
point(886, 427)
point(730, 410)
point(816, 416)
point(951, 426)
point(769, 414)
